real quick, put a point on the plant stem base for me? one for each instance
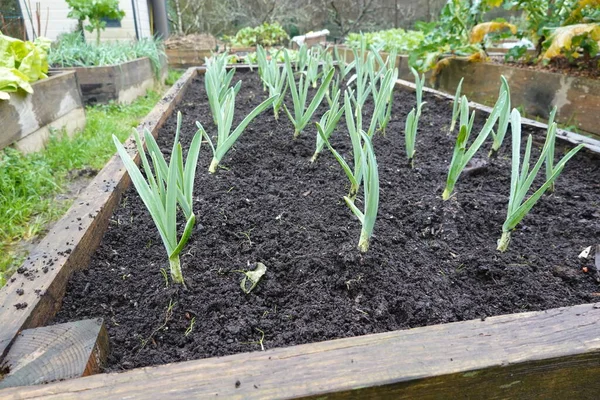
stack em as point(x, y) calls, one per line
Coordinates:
point(504, 242)
point(175, 267)
point(213, 166)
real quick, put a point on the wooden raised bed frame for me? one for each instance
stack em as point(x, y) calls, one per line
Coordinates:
point(547, 354)
point(28, 119)
point(122, 83)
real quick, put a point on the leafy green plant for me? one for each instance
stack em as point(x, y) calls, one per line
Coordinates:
point(412, 120)
point(226, 138)
point(264, 35)
point(96, 12)
point(302, 113)
point(456, 105)
point(391, 40)
point(21, 63)
point(70, 50)
point(515, 53)
point(462, 155)
point(164, 188)
point(503, 119)
point(328, 123)
point(522, 179)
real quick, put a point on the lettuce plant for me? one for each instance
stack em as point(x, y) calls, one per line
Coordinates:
point(21, 63)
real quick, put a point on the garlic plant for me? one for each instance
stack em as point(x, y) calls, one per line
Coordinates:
point(503, 120)
point(363, 70)
point(274, 78)
point(365, 165)
point(551, 134)
point(354, 125)
point(225, 136)
point(455, 106)
point(522, 179)
point(217, 81)
point(382, 88)
point(412, 120)
point(302, 113)
point(164, 188)
point(328, 123)
point(462, 155)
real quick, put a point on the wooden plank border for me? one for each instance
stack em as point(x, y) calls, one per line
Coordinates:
point(548, 354)
point(552, 354)
point(42, 278)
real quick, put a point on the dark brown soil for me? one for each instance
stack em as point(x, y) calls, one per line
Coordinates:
point(430, 261)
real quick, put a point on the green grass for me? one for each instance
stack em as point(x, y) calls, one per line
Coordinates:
point(30, 183)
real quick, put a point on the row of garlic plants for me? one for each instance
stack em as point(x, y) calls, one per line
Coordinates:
point(345, 87)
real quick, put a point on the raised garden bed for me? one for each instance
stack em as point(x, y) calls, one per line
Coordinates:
point(27, 120)
point(431, 263)
point(122, 83)
point(185, 57)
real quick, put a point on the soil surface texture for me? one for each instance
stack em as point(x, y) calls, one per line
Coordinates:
point(430, 261)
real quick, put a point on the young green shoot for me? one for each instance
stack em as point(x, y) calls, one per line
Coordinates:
point(226, 138)
point(217, 81)
point(368, 216)
point(522, 179)
point(363, 70)
point(343, 68)
point(412, 120)
point(462, 155)
point(503, 120)
point(302, 113)
point(456, 106)
point(328, 122)
point(354, 125)
point(383, 96)
point(275, 79)
point(550, 156)
point(162, 190)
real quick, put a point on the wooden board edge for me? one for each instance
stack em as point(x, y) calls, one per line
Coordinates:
point(563, 134)
point(542, 354)
point(32, 297)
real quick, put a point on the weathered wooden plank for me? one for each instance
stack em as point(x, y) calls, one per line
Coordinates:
point(122, 83)
point(552, 354)
point(185, 58)
point(537, 91)
point(57, 352)
point(24, 114)
point(34, 294)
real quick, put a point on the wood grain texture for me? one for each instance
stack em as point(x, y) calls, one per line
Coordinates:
point(577, 98)
point(553, 354)
point(185, 58)
point(52, 98)
point(100, 85)
point(57, 352)
point(33, 295)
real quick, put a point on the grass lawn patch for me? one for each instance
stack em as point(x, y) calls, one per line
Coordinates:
point(34, 188)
